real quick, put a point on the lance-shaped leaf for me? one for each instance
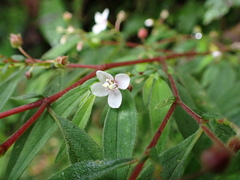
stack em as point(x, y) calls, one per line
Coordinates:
point(173, 161)
point(27, 96)
point(90, 170)
point(80, 119)
point(223, 129)
point(26, 148)
point(80, 146)
point(7, 87)
point(160, 91)
point(147, 88)
point(119, 134)
point(50, 17)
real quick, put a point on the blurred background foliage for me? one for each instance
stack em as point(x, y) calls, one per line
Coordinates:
point(32, 17)
point(37, 21)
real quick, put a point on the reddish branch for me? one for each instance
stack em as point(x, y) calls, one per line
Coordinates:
point(162, 126)
point(43, 103)
point(97, 67)
point(7, 144)
point(153, 143)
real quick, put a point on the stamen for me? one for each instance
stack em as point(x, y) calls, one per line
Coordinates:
point(110, 84)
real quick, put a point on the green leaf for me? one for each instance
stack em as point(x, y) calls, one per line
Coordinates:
point(222, 129)
point(198, 93)
point(147, 88)
point(119, 133)
point(173, 161)
point(7, 87)
point(50, 18)
point(83, 114)
point(80, 146)
point(223, 83)
point(90, 170)
point(160, 91)
point(18, 57)
point(62, 49)
point(209, 75)
point(26, 148)
point(186, 124)
point(216, 9)
point(27, 96)
point(80, 119)
point(165, 102)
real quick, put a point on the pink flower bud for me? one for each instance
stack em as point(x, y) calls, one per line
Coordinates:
point(16, 40)
point(215, 159)
point(142, 33)
point(28, 74)
point(79, 46)
point(61, 61)
point(67, 16)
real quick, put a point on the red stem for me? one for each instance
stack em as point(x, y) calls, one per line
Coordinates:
point(153, 143)
point(101, 67)
point(191, 112)
point(157, 135)
point(9, 142)
point(53, 98)
point(214, 138)
point(21, 108)
point(171, 80)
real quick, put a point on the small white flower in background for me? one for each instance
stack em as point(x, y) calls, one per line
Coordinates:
point(101, 21)
point(149, 22)
point(110, 86)
point(216, 54)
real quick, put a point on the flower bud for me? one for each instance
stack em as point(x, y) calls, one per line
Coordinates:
point(28, 74)
point(234, 144)
point(164, 14)
point(79, 46)
point(16, 40)
point(67, 16)
point(149, 22)
point(142, 33)
point(60, 29)
point(70, 29)
point(215, 159)
point(121, 16)
point(94, 42)
point(216, 54)
point(61, 61)
point(63, 39)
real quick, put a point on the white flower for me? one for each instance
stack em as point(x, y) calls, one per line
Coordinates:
point(149, 22)
point(110, 86)
point(101, 21)
point(216, 54)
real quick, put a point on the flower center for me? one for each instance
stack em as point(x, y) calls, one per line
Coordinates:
point(110, 84)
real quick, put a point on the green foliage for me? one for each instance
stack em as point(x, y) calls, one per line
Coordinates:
point(173, 161)
point(216, 9)
point(91, 169)
point(171, 66)
point(119, 133)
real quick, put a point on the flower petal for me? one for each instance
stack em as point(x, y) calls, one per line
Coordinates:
point(122, 80)
point(102, 76)
point(98, 90)
point(114, 98)
point(105, 14)
point(98, 17)
point(96, 29)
